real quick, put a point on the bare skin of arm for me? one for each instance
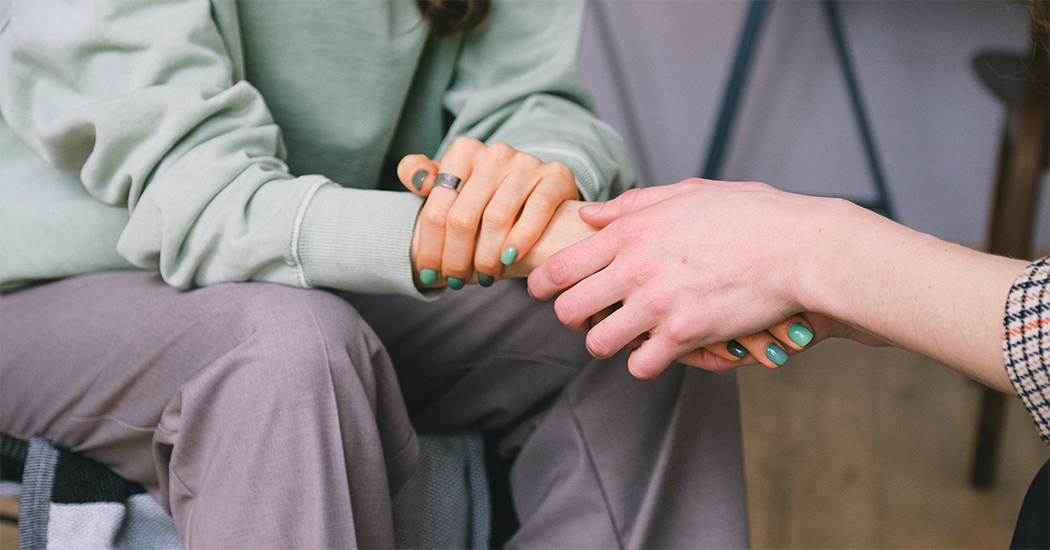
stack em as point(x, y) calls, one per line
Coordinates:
point(753, 256)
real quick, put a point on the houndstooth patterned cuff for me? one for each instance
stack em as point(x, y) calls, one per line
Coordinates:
point(1026, 341)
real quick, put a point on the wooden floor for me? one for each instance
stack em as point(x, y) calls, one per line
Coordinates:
point(855, 447)
point(8, 531)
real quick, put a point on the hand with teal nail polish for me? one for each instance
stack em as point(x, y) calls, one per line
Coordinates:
point(428, 276)
point(800, 334)
point(509, 255)
point(499, 212)
point(776, 354)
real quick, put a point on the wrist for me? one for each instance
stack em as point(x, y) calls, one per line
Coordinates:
point(829, 255)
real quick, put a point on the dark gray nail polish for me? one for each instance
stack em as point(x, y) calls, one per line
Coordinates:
point(736, 349)
point(485, 280)
point(417, 179)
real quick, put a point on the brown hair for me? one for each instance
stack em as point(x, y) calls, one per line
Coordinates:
point(453, 16)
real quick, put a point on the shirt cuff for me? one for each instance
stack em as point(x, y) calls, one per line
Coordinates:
point(359, 240)
point(1026, 341)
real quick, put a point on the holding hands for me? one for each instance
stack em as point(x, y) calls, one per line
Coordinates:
point(487, 207)
point(693, 264)
point(493, 211)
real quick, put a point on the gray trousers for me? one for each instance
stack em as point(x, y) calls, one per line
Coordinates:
point(264, 416)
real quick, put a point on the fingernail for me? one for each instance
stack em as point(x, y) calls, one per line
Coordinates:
point(485, 280)
point(800, 334)
point(591, 209)
point(417, 179)
point(509, 255)
point(428, 276)
point(736, 349)
point(776, 354)
point(455, 283)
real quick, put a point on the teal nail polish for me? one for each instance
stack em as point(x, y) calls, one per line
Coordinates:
point(418, 177)
point(800, 334)
point(509, 255)
point(428, 276)
point(735, 348)
point(485, 280)
point(776, 354)
point(455, 283)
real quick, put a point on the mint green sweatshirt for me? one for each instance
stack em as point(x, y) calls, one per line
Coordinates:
point(221, 141)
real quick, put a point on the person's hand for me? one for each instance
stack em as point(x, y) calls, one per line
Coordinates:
point(693, 264)
point(797, 333)
point(504, 201)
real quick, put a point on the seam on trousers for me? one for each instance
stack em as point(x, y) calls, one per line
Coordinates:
point(594, 470)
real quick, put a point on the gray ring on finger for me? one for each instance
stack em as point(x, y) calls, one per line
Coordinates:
point(447, 180)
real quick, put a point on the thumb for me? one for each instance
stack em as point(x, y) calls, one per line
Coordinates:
point(416, 173)
point(602, 214)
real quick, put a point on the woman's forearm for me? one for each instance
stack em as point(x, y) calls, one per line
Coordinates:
point(918, 292)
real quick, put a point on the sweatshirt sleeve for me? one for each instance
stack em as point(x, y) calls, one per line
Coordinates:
point(1026, 342)
point(517, 81)
point(141, 100)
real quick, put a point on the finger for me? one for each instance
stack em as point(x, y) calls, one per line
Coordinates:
point(463, 227)
point(708, 360)
point(457, 163)
point(593, 320)
point(499, 217)
point(621, 328)
point(589, 296)
point(603, 214)
point(653, 356)
point(557, 186)
point(416, 173)
point(765, 349)
point(571, 264)
point(725, 350)
point(793, 331)
point(432, 234)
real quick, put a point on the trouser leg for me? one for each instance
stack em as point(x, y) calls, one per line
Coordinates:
point(603, 460)
point(262, 416)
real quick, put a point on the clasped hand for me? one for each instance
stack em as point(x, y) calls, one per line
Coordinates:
point(512, 211)
point(505, 200)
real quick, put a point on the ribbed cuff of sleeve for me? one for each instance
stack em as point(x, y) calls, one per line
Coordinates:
point(1026, 341)
point(359, 240)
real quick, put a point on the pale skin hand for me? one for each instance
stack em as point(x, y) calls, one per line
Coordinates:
point(752, 255)
point(567, 227)
point(505, 200)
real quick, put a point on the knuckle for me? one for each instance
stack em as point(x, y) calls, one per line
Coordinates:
point(500, 148)
point(558, 270)
point(498, 217)
point(433, 218)
point(679, 335)
point(461, 222)
point(463, 145)
point(631, 198)
point(525, 161)
point(560, 171)
point(487, 265)
point(545, 202)
point(527, 233)
point(457, 267)
point(564, 309)
point(496, 155)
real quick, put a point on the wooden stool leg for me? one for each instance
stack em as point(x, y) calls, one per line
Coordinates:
point(989, 433)
point(1021, 165)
